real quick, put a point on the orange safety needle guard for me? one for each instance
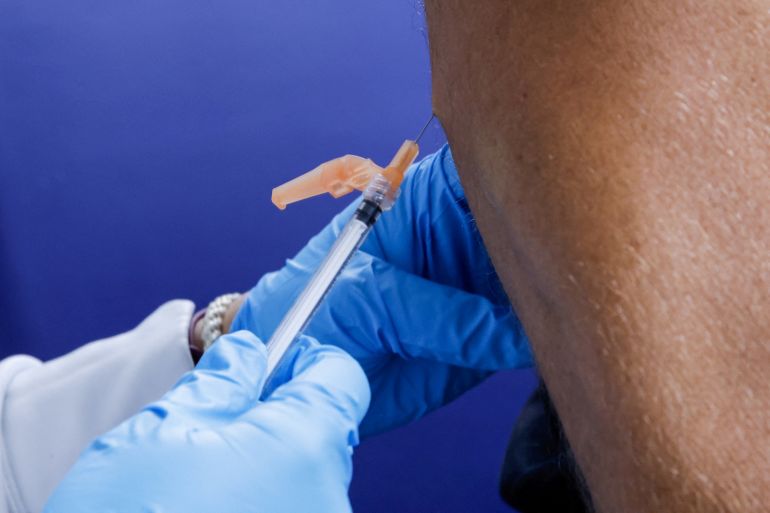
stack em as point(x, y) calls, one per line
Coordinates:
point(342, 175)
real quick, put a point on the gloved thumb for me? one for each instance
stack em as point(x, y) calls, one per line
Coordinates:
point(228, 379)
point(326, 384)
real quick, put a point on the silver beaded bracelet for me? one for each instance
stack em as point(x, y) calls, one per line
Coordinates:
point(212, 320)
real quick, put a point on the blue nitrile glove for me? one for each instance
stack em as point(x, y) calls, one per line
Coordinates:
point(420, 306)
point(211, 445)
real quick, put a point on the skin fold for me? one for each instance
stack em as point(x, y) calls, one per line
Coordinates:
point(616, 155)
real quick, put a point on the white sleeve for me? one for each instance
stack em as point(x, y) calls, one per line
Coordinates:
point(49, 412)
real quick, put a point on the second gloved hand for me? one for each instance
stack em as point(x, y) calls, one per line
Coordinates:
point(211, 445)
point(419, 306)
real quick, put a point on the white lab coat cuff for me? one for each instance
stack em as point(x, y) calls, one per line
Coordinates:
point(9, 494)
point(50, 412)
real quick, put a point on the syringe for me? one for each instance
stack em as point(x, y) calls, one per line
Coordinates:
point(337, 177)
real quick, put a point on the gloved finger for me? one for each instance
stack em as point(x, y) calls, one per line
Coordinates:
point(430, 230)
point(414, 388)
point(377, 307)
point(227, 380)
point(328, 390)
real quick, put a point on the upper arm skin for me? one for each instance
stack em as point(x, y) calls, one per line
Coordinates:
point(616, 155)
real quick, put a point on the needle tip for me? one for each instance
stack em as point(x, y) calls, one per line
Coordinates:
point(419, 136)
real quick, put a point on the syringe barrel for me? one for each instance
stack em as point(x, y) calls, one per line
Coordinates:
point(294, 322)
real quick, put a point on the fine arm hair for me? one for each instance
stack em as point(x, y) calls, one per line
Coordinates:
point(616, 156)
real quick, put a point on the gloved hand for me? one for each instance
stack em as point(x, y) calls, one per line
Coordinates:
point(419, 306)
point(211, 445)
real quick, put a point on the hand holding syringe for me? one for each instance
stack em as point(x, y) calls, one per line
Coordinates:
point(337, 177)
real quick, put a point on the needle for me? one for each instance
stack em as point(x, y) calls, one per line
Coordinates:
point(417, 139)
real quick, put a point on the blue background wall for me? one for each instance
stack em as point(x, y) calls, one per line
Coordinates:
point(139, 142)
